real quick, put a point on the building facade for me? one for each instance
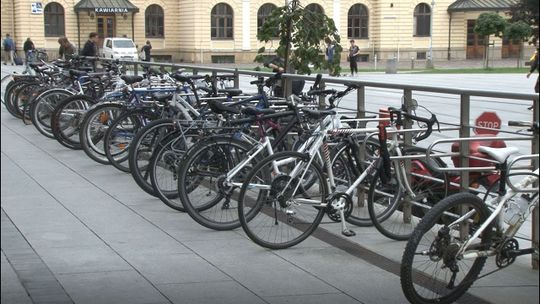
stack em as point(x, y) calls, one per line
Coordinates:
point(204, 31)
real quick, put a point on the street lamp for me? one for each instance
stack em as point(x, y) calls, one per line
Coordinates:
point(430, 57)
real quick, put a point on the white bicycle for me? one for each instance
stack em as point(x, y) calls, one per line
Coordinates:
point(449, 248)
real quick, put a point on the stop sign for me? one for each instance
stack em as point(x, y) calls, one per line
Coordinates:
point(487, 120)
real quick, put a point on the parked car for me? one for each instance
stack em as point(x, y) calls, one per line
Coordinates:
point(119, 48)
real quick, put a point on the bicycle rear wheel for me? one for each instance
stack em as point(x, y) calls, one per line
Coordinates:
point(274, 208)
point(67, 118)
point(430, 270)
point(203, 190)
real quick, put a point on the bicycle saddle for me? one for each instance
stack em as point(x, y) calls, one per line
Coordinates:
point(316, 114)
point(252, 111)
point(230, 92)
point(498, 154)
point(185, 78)
point(131, 79)
point(220, 108)
point(161, 97)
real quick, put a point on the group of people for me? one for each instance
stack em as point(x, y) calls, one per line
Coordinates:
point(352, 56)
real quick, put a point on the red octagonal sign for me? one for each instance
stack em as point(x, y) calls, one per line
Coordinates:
point(487, 120)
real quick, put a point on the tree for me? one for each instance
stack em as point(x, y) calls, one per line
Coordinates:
point(489, 24)
point(519, 31)
point(300, 33)
point(527, 11)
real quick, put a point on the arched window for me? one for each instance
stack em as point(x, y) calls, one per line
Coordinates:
point(357, 22)
point(221, 24)
point(153, 21)
point(54, 20)
point(264, 11)
point(422, 20)
point(314, 7)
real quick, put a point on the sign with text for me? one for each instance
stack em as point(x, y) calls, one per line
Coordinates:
point(111, 10)
point(487, 120)
point(36, 8)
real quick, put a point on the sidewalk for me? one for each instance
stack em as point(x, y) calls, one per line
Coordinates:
point(74, 231)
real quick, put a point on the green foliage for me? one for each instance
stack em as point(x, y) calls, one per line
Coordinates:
point(518, 31)
point(527, 11)
point(300, 33)
point(490, 24)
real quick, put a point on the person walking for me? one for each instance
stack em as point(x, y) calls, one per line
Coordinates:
point(146, 50)
point(28, 47)
point(67, 49)
point(90, 47)
point(535, 63)
point(354, 50)
point(330, 53)
point(9, 49)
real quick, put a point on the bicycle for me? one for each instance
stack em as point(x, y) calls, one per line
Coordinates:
point(448, 249)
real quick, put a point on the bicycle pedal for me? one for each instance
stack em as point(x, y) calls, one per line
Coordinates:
point(348, 233)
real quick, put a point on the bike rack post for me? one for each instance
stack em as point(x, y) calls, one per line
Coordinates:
point(407, 140)
point(464, 146)
point(535, 145)
point(360, 114)
point(136, 69)
point(322, 99)
point(236, 79)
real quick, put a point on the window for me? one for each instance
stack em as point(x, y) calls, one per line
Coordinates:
point(421, 55)
point(422, 20)
point(223, 59)
point(357, 22)
point(54, 20)
point(314, 7)
point(264, 12)
point(221, 24)
point(153, 21)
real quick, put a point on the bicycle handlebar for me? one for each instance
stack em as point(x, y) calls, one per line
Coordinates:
point(428, 121)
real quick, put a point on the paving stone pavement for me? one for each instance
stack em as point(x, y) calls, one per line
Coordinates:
point(74, 231)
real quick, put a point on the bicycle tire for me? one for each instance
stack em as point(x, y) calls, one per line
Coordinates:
point(208, 201)
point(93, 129)
point(391, 221)
point(276, 206)
point(120, 134)
point(164, 167)
point(42, 108)
point(429, 244)
point(67, 118)
point(142, 148)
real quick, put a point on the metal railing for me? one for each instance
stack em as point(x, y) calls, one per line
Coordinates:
point(463, 127)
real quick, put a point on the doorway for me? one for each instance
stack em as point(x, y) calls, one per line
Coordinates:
point(106, 27)
point(475, 43)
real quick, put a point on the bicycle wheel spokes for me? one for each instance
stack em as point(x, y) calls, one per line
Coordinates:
point(431, 272)
point(276, 209)
point(207, 190)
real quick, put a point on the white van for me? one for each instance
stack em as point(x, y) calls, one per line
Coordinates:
point(119, 48)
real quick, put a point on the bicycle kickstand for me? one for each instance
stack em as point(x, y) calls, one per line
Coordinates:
point(344, 230)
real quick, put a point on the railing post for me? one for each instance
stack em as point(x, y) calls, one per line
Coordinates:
point(322, 103)
point(361, 113)
point(535, 145)
point(286, 86)
point(407, 140)
point(464, 131)
point(136, 69)
point(236, 79)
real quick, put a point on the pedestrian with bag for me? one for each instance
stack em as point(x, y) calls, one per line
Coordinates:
point(354, 51)
point(28, 47)
point(9, 50)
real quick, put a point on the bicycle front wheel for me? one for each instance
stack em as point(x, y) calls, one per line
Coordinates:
point(275, 208)
point(431, 272)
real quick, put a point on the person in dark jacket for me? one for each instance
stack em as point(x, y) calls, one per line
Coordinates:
point(27, 47)
point(90, 47)
point(146, 49)
point(9, 49)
